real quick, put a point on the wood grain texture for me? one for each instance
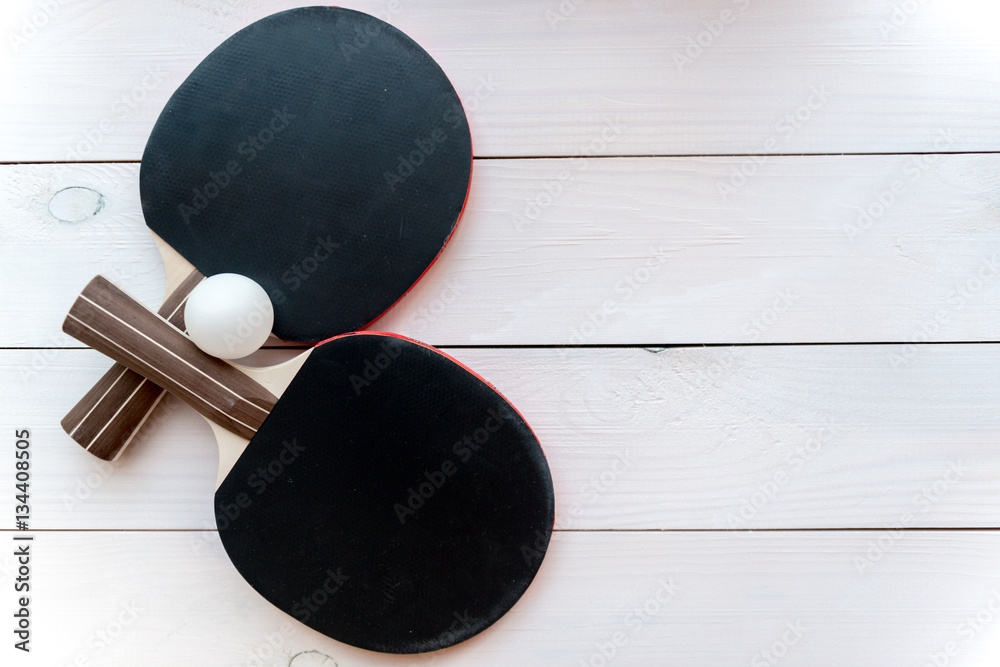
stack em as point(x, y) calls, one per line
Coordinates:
point(110, 321)
point(113, 410)
point(553, 79)
point(782, 260)
point(541, 250)
point(693, 599)
point(807, 437)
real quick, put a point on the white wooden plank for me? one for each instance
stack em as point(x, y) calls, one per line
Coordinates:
point(698, 438)
point(174, 599)
point(789, 257)
point(550, 78)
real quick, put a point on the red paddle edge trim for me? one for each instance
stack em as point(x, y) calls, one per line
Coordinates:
point(443, 246)
point(458, 363)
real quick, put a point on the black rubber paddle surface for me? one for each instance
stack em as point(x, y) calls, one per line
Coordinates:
point(319, 151)
point(392, 500)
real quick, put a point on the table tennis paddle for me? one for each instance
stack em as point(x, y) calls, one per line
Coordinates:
point(320, 152)
point(372, 487)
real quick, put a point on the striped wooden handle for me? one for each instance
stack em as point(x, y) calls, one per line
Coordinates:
point(112, 322)
point(111, 413)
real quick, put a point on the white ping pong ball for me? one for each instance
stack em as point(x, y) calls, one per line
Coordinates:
point(228, 316)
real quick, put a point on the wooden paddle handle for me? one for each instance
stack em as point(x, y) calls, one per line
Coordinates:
point(112, 322)
point(111, 413)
